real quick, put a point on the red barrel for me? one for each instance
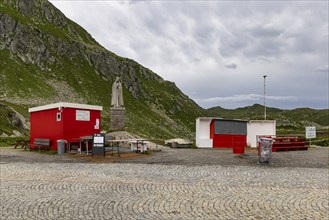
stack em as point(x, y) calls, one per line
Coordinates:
point(238, 149)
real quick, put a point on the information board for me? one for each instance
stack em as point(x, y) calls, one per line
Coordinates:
point(81, 115)
point(310, 132)
point(98, 144)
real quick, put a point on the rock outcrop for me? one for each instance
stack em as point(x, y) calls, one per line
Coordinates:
point(48, 58)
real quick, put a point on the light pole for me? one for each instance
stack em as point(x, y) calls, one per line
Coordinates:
point(264, 96)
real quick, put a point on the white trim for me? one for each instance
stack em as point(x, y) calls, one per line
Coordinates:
point(221, 119)
point(66, 105)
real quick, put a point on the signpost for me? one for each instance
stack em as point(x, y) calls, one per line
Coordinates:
point(310, 133)
point(98, 144)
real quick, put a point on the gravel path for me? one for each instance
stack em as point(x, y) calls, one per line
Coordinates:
point(312, 158)
point(184, 184)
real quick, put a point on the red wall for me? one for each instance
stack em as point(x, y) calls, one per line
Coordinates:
point(229, 141)
point(44, 125)
point(212, 130)
point(226, 140)
point(75, 129)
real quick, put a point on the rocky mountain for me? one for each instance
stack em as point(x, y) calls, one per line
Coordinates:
point(47, 58)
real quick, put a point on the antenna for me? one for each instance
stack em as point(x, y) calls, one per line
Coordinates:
point(265, 96)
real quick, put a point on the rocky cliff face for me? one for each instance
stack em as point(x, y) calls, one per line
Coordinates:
point(39, 34)
point(46, 58)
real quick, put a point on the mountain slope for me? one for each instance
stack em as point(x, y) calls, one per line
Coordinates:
point(47, 58)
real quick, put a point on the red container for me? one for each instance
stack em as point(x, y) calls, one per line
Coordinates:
point(238, 150)
point(67, 121)
point(224, 135)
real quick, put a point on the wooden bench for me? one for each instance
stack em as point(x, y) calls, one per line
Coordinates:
point(41, 144)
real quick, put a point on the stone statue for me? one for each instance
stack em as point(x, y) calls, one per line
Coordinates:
point(117, 97)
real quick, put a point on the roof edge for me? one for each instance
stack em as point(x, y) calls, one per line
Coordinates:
point(66, 105)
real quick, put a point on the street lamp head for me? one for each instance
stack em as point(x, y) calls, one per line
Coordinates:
point(264, 76)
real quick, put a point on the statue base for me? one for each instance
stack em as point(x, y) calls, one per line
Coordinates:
point(117, 118)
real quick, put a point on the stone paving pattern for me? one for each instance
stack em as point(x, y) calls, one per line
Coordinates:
point(65, 190)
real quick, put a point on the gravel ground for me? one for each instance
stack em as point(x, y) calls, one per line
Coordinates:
point(316, 157)
point(312, 158)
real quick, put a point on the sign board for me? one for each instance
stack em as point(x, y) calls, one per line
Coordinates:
point(99, 144)
point(81, 115)
point(97, 124)
point(310, 132)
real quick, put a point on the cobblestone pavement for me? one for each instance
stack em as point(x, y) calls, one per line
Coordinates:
point(65, 190)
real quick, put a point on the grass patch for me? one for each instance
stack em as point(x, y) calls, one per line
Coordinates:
point(11, 141)
point(19, 79)
point(147, 152)
point(320, 142)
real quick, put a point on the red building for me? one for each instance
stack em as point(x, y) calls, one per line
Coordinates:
point(227, 133)
point(63, 120)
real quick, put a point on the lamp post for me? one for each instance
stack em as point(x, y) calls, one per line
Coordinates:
point(264, 96)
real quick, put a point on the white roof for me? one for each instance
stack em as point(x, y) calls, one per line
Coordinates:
point(222, 119)
point(66, 105)
point(262, 121)
point(208, 118)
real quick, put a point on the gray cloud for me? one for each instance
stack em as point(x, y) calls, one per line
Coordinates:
point(323, 68)
point(231, 66)
point(197, 44)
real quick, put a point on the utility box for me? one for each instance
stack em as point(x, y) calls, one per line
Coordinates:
point(68, 121)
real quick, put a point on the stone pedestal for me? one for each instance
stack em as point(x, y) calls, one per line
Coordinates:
point(117, 118)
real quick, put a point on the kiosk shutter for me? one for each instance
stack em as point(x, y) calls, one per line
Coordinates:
point(230, 127)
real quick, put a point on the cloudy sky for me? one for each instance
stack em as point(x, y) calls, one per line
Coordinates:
point(218, 51)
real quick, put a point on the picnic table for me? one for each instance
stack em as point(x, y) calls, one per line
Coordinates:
point(116, 143)
point(83, 140)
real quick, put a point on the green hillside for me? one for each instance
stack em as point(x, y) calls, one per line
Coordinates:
point(295, 119)
point(47, 58)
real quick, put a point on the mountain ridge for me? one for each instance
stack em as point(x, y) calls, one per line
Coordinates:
point(299, 117)
point(47, 58)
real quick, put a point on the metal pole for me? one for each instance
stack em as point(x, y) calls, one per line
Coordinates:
point(264, 96)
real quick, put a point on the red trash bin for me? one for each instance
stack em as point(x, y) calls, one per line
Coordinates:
point(238, 149)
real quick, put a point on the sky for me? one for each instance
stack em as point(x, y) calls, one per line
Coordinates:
point(217, 52)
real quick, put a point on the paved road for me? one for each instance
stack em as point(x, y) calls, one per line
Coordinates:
point(65, 190)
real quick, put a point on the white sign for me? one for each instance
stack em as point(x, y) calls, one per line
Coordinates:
point(82, 115)
point(97, 124)
point(310, 132)
point(99, 140)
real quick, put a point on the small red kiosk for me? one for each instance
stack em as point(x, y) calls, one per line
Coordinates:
point(228, 133)
point(68, 121)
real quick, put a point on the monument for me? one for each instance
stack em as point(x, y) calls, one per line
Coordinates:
point(117, 111)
